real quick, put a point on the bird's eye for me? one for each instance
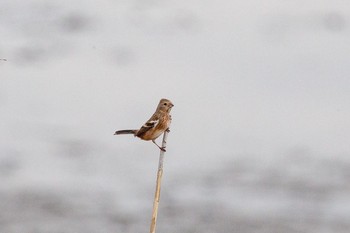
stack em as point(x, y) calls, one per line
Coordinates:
point(165, 103)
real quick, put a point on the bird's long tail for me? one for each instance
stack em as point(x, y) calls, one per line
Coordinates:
point(126, 131)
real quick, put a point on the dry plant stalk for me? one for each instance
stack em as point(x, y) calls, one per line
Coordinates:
point(158, 184)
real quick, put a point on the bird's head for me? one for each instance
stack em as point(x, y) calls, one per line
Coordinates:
point(165, 105)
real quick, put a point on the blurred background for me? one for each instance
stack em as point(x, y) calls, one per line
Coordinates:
point(260, 134)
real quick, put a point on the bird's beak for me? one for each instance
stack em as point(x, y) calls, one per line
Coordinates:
point(171, 105)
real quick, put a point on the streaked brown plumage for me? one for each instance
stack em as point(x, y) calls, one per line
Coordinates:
point(155, 126)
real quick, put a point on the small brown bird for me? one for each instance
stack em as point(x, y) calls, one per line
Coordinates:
point(155, 126)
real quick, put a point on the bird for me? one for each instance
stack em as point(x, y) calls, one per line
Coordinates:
point(158, 123)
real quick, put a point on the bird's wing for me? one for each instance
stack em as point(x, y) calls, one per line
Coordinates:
point(150, 124)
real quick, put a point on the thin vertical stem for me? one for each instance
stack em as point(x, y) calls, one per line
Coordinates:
point(158, 185)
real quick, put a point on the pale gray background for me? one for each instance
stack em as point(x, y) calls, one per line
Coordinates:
point(260, 133)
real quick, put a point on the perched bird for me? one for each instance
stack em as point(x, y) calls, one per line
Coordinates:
point(155, 126)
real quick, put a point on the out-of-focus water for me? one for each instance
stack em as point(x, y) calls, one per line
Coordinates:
point(259, 140)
